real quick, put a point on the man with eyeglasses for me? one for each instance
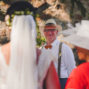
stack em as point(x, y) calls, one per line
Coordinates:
point(63, 63)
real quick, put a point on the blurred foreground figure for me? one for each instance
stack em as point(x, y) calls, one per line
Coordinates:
point(79, 78)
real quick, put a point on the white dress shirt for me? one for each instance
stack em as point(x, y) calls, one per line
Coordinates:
point(67, 58)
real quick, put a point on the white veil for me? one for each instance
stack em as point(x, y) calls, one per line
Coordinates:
point(22, 70)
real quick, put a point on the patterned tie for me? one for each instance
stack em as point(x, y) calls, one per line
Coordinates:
point(48, 46)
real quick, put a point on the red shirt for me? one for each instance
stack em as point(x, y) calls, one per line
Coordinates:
point(79, 77)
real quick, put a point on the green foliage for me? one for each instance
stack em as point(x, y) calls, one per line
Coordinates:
point(81, 7)
point(40, 39)
point(88, 15)
point(62, 1)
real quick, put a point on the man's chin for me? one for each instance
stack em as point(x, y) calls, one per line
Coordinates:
point(50, 41)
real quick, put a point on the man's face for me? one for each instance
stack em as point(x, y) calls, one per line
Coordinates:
point(50, 33)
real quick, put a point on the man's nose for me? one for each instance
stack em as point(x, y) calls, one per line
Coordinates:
point(49, 32)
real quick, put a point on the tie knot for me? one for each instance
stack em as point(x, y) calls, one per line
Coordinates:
point(48, 46)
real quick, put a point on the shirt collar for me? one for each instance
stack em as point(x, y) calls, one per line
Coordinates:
point(55, 42)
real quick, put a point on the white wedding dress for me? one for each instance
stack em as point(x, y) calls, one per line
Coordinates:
point(3, 71)
point(22, 70)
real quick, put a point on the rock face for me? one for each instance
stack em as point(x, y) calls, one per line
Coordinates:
point(4, 33)
point(61, 12)
point(77, 16)
point(56, 9)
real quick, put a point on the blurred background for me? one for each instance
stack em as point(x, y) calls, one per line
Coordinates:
point(63, 11)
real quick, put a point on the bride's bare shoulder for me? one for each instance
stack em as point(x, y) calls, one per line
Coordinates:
point(5, 49)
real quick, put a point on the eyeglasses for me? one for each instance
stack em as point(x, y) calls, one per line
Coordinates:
point(47, 30)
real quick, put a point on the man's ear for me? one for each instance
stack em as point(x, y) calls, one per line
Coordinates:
point(57, 31)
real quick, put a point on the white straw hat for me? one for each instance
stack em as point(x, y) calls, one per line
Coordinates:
point(79, 38)
point(52, 21)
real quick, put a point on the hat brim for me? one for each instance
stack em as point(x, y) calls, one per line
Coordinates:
point(59, 28)
point(77, 40)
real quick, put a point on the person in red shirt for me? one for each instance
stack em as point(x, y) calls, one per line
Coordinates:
point(79, 77)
